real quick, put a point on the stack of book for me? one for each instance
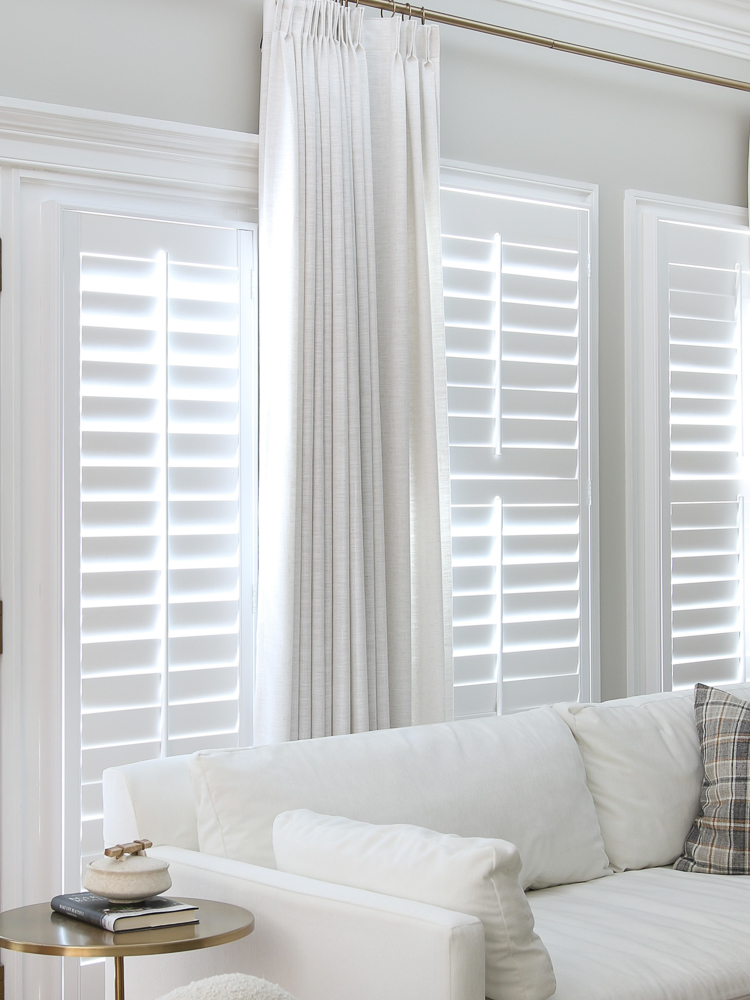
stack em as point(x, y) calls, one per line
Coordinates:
point(158, 911)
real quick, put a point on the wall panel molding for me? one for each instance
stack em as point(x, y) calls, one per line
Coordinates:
point(717, 25)
point(96, 142)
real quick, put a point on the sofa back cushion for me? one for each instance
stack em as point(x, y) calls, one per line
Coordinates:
point(518, 778)
point(644, 768)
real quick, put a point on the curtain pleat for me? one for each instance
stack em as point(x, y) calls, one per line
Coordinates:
point(354, 573)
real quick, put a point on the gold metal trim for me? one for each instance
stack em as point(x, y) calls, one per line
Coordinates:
point(119, 977)
point(406, 10)
point(157, 941)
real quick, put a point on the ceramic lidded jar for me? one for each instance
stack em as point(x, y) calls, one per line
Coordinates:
point(127, 878)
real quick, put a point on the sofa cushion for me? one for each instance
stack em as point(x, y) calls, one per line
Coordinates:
point(719, 841)
point(656, 934)
point(518, 778)
point(472, 875)
point(644, 769)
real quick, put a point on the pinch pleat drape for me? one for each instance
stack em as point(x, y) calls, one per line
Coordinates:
point(354, 620)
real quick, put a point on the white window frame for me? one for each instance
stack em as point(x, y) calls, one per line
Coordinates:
point(647, 455)
point(81, 160)
point(558, 191)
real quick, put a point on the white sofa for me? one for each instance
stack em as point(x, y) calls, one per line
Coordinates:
point(598, 799)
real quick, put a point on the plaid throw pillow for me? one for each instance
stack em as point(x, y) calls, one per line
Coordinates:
point(719, 841)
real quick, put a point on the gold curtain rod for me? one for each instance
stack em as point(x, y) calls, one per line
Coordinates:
point(407, 10)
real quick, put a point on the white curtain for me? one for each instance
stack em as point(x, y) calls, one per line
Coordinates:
point(354, 585)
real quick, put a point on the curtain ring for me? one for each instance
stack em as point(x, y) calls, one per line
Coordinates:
point(394, 8)
point(408, 7)
point(423, 16)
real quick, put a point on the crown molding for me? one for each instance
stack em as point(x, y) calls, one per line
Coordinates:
point(717, 25)
point(97, 142)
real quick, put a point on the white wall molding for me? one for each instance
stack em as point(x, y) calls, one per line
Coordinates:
point(96, 142)
point(474, 177)
point(717, 25)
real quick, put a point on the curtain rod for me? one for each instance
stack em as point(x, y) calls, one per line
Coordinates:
point(407, 10)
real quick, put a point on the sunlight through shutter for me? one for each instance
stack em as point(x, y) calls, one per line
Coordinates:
point(705, 270)
point(204, 513)
point(516, 309)
point(160, 496)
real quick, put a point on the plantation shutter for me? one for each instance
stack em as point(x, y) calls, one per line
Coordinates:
point(162, 661)
point(517, 330)
point(703, 285)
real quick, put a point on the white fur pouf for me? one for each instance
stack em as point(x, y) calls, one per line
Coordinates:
point(231, 987)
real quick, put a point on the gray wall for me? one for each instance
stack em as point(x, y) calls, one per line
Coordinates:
point(503, 104)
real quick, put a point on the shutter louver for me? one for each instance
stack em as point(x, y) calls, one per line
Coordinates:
point(204, 513)
point(515, 301)
point(160, 496)
point(704, 272)
point(123, 543)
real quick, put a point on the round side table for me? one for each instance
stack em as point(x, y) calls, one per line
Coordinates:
point(41, 930)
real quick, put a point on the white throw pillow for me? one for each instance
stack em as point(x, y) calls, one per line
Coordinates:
point(644, 768)
point(518, 778)
point(473, 875)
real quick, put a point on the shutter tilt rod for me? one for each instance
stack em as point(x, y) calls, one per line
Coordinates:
point(407, 10)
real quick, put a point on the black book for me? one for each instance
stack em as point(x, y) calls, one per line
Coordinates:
point(158, 911)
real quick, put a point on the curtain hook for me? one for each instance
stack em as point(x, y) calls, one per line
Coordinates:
point(423, 16)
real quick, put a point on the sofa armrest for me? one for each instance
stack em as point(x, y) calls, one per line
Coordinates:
point(318, 940)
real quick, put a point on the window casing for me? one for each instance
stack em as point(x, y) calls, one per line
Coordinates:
point(520, 334)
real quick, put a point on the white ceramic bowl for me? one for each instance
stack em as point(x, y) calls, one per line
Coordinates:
point(129, 879)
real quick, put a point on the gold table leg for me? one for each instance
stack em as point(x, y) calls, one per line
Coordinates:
point(119, 977)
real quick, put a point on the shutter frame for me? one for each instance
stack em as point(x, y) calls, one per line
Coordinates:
point(206, 702)
point(707, 232)
point(527, 446)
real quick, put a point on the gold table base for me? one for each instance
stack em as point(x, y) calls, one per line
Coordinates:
point(119, 977)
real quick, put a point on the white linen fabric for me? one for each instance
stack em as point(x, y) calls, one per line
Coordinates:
point(656, 934)
point(518, 778)
point(354, 612)
point(154, 795)
point(644, 769)
point(319, 940)
point(473, 875)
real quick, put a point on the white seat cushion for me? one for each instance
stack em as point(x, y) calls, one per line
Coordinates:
point(231, 987)
point(518, 778)
point(656, 934)
point(471, 875)
point(644, 768)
